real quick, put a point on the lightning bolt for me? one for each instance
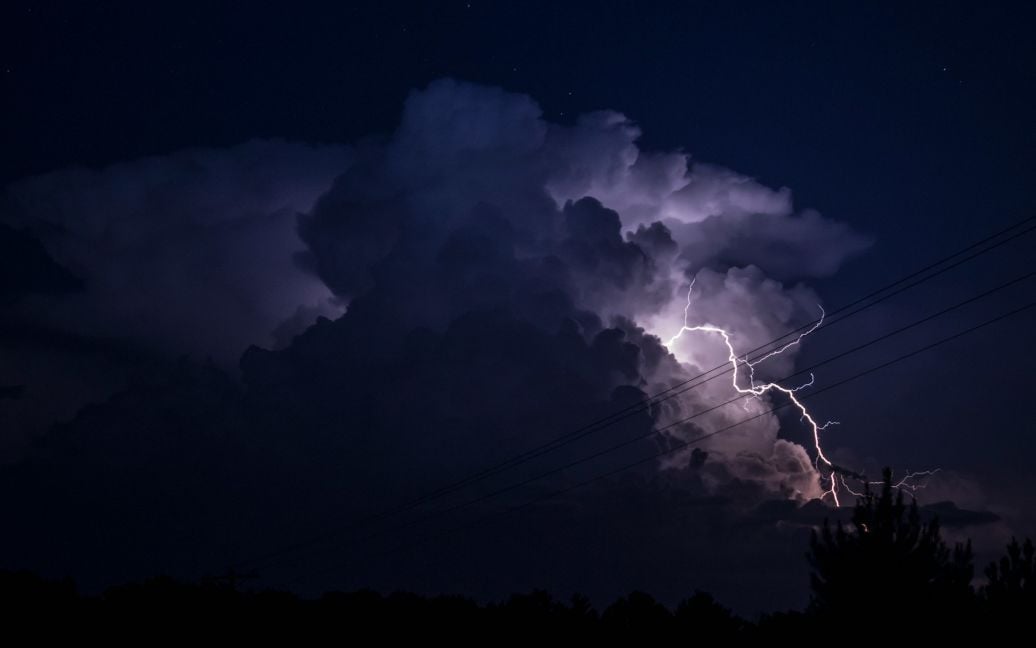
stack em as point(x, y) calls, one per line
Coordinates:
point(755, 389)
point(906, 482)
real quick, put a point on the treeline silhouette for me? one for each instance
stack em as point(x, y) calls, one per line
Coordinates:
point(888, 570)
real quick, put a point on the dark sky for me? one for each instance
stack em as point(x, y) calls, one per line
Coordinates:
point(912, 123)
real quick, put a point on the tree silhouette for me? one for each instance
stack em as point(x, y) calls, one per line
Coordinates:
point(890, 564)
point(1010, 593)
point(636, 615)
point(702, 613)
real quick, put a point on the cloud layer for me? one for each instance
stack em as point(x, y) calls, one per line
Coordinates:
point(185, 253)
point(477, 202)
point(503, 280)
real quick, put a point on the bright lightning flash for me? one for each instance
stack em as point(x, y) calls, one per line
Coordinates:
point(906, 482)
point(757, 390)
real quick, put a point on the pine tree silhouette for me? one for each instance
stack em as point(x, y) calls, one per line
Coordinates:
point(1009, 596)
point(889, 564)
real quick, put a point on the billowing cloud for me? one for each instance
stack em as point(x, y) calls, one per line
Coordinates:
point(504, 280)
point(185, 253)
point(478, 202)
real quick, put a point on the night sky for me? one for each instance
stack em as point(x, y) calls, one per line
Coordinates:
point(273, 277)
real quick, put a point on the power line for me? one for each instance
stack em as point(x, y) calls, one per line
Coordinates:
point(675, 390)
point(679, 446)
point(699, 413)
point(904, 283)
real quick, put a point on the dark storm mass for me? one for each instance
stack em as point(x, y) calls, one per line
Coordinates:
point(488, 298)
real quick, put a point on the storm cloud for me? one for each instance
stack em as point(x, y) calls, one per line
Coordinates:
point(108, 271)
point(477, 202)
point(417, 306)
point(188, 253)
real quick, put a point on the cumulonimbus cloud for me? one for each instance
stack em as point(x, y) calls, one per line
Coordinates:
point(496, 280)
point(477, 201)
point(188, 253)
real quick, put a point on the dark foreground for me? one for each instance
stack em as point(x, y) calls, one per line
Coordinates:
point(889, 575)
point(163, 608)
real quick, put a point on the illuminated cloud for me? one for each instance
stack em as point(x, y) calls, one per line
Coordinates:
point(497, 279)
point(184, 253)
point(478, 202)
